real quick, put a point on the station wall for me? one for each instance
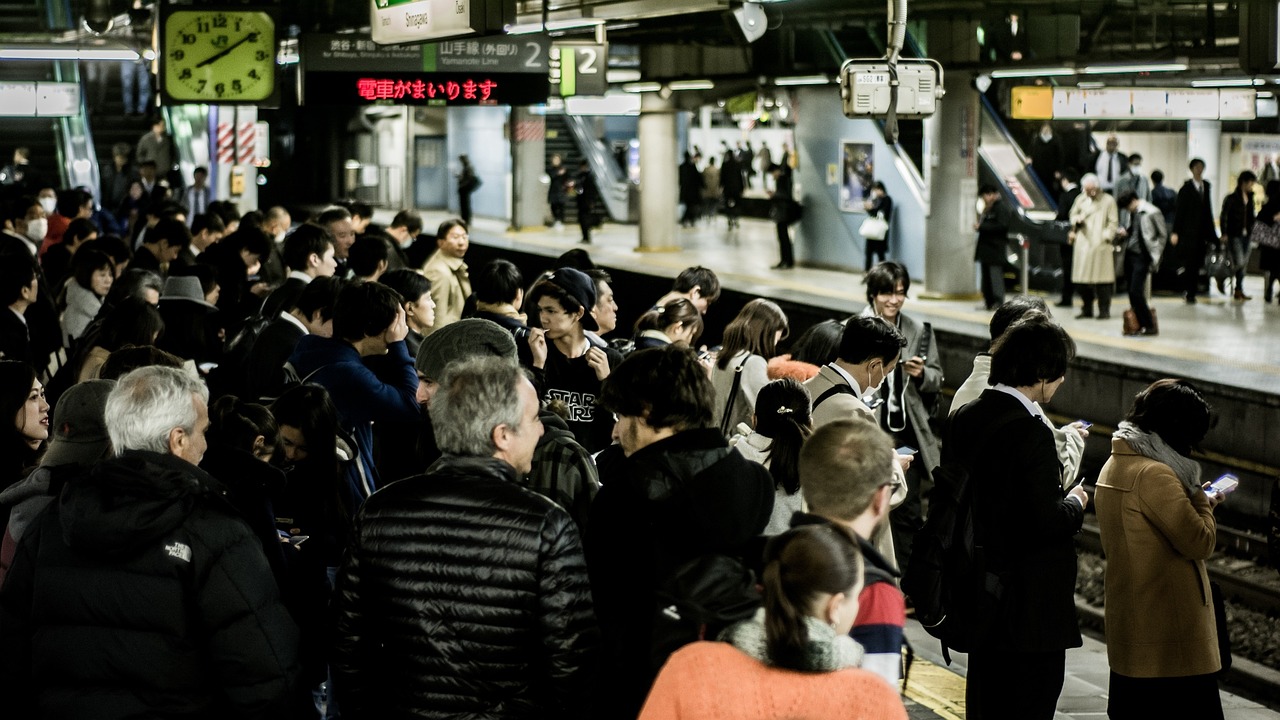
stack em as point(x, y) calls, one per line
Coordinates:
point(480, 133)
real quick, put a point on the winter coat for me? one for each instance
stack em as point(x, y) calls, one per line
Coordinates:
point(463, 595)
point(1095, 220)
point(672, 501)
point(82, 307)
point(1154, 232)
point(361, 396)
point(141, 593)
point(1160, 619)
point(784, 367)
point(450, 287)
point(690, 183)
point(1193, 221)
point(1236, 219)
point(1022, 519)
point(993, 234)
point(717, 680)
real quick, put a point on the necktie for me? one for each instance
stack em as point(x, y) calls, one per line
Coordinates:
point(1110, 159)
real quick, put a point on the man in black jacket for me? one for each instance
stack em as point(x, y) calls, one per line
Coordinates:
point(1070, 185)
point(464, 594)
point(1193, 229)
point(141, 593)
point(1023, 524)
point(672, 490)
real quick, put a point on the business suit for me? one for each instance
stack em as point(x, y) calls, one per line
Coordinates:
point(1193, 224)
point(1066, 251)
point(1024, 527)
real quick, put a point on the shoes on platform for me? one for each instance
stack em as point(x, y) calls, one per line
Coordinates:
point(1064, 304)
point(1191, 300)
point(1084, 316)
point(1104, 316)
point(1239, 295)
point(782, 266)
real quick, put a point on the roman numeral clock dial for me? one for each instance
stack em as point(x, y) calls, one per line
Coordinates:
point(219, 56)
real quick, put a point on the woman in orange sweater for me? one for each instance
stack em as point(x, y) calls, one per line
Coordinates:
point(794, 659)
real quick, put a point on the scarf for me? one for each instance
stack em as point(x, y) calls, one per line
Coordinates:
point(825, 652)
point(1149, 445)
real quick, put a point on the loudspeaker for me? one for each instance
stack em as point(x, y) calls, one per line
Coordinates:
point(749, 22)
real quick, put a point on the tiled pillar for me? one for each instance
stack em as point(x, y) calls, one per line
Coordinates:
point(949, 235)
point(658, 181)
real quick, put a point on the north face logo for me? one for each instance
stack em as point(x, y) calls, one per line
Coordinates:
point(178, 550)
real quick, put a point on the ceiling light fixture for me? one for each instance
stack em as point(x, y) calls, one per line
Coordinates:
point(1032, 72)
point(802, 80)
point(553, 25)
point(1133, 69)
point(691, 85)
point(66, 53)
point(642, 87)
point(1228, 82)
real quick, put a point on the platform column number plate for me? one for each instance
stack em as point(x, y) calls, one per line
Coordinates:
point(218, 55)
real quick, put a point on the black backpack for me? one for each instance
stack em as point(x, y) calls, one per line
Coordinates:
point(947, 580)
point(698, 600)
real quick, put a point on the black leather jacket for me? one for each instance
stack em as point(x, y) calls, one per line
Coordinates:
point(463, 595)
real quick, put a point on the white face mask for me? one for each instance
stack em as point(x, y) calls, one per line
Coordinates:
point(279, 237)
point(49, 204)
point(37, 229)
point(878, 385)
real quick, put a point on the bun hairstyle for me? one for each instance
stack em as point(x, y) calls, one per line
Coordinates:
point(237, 424)
point(800, 565)
point(679, 310)
point(783, 416)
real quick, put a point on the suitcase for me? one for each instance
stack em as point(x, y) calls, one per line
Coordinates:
point(1131, 322)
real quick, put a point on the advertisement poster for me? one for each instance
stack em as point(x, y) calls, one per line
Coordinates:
point(859, 174)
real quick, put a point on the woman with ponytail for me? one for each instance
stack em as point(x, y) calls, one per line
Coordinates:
point(676, 323)
point(794, 659)
point(782, 423)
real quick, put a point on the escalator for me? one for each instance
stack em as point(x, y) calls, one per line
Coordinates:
point(573, 138)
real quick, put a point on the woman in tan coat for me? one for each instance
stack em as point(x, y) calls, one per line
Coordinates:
point(1157, 531)
point(1094, 221)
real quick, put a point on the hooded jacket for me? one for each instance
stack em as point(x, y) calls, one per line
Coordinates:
point(463, 595)
point(668, 503)
point(140, 593)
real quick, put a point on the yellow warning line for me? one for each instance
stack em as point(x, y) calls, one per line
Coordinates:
point(937, 688)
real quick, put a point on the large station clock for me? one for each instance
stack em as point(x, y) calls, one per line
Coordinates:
point(212, 55)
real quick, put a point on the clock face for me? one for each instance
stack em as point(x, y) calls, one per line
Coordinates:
point(219, 56)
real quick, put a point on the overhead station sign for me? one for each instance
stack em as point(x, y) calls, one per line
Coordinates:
point(355, 70)
point(395, 22)
point(39, 99)
point(1133, 103)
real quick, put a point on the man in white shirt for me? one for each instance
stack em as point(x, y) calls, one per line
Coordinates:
point(197, 197)
point(1110, 165)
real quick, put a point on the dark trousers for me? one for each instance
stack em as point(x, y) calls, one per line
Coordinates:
point(732, 209)
point(1195, 696)
point(906, 519)
point(1103, 293)
point(1005, 685)
point(992, 285)
point(557, 211)
point(586, 220)
point(784, 244)
point(1138, 267)
point(1190, 264)
point(1067, 252)
point(876, 248)
point(464, 207)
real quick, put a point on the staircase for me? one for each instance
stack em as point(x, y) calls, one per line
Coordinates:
point(104, 97)
point(560, 142)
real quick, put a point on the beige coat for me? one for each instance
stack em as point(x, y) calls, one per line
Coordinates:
point(450, 287)
point(1159, 612)
point(1093, 257)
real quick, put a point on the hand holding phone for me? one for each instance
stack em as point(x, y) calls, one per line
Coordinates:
point(1084, 424)
point(1223, 486)
point(906, 450)
point(297, 540)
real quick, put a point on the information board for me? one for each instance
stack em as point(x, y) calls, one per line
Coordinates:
point(39, 99)
point(419, 88)
point(396, 22)
point(1134, 103)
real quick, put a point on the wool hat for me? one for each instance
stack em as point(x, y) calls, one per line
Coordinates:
point(581, 288)
point(78, 434)
point(185, 287)
point(473, 337)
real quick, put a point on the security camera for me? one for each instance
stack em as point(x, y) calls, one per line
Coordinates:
point(98, 18)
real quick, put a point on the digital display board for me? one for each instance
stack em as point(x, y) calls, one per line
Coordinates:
point(407, 88)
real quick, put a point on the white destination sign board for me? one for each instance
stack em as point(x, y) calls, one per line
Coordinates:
point(1138, 103)
point(410, 21)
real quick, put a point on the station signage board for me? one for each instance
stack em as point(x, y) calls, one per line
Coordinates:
point(578, 68)
point(396, 22)
point(1133, 103)
point(354, 70)
point(39, 99)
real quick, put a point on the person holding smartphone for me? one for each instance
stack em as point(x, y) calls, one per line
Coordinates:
point(1157, 526)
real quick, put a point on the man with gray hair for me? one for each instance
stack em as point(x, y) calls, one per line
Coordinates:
point(141, 593)
point(462, 593)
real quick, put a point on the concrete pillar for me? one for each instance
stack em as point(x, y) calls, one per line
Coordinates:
point(949, 235)
point(528, 164)
point(1204, 141)
point(658, 174)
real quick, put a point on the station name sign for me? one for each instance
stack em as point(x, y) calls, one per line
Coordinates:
point(1132, 103)
point(354, 70)
point(396, 22)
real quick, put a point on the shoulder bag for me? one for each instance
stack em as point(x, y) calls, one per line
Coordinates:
point(726, 420)
point(874, 227)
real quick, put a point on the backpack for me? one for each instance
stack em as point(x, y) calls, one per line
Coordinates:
point(229, 378)
point(699, 600)
point(946, 578)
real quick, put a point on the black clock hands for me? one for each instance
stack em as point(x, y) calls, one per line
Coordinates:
point(251, 37)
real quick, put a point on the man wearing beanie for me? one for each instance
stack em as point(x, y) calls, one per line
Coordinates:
point(78, 439)
point(562, 470)
point(575, 368)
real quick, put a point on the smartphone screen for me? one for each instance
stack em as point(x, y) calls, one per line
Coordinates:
point(297, 540)
point(1225, 485)
point(1085, 424)
point(906, 450)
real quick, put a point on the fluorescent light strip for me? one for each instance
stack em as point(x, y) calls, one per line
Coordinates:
point(642, 87)
point(1133, 69)
point(622, 75)
point(1228, 82)
point(691, 85)
point(802, 80)
point(553, 25)
point(47, 53)
point(1028, 72)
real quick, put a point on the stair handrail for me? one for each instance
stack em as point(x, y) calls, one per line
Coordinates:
point(613, 185)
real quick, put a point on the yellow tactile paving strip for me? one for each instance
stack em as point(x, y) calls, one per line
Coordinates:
point(937, 688)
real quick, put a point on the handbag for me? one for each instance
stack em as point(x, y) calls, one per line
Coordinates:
point(1265, 234)
point(1216, 265)
point(874, 227)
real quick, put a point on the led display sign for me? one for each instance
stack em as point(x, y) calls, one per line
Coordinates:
point(405, 88)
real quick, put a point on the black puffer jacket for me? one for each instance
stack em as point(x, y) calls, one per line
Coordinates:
point(463, 595)
point(140, 593)
point(672, 501)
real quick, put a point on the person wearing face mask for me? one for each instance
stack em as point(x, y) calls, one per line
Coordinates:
point(870, 349)
point(909, 394)
point(1047, 158)
point(27, 221)
point(1024, 521)
point(404, 229)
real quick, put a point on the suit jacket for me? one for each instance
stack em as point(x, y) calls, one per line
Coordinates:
point(1159, 610)
point(284, 298)
point(450, 287)
point(144, 259)
point(1065, 201)
point(1023, 522)
point(15, 340)
point(1193, 219)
